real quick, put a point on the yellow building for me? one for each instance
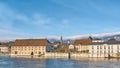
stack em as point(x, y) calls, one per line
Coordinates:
point(82, 45)
point(82, 48)
point(29, 47)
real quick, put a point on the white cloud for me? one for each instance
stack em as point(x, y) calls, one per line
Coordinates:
point(9, 15)
point(53, 37)
point(9, 32)
point(8, 35)
point(38, 19)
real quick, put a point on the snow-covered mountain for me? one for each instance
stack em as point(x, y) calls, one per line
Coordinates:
point(104, 36)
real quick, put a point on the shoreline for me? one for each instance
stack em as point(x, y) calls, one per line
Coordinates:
point(59, 57)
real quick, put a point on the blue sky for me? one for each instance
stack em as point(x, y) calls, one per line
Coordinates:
point(43, 18)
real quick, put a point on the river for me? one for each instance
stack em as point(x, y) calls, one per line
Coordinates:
point(8, 62)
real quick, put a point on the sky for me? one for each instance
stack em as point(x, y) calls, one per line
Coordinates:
point(44, 18)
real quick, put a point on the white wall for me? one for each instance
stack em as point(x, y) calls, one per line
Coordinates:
point(104, 50)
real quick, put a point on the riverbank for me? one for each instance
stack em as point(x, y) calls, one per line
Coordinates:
point(59, 57)
point(4, 54)
point(53, 55)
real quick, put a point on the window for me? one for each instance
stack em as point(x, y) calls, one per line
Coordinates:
point(108, 47)
point(100, 52)
point(104, 47)
point(92, 51)
point(100, 47)
point(104, 52)
point(92, 47)
point(97, 47)
point(15, 52)
point(111, 49)
point(117, 48)
point(39, 52)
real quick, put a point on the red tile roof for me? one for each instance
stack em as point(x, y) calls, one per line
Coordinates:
point(30, 42)
point(83, 42)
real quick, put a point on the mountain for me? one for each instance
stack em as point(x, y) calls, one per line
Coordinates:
point(103, 36)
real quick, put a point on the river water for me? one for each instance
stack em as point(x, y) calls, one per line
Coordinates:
point(8, 62)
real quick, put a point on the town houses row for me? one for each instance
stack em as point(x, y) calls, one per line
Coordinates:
point(39, 47)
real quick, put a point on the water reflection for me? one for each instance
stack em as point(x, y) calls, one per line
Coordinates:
point(8, 62)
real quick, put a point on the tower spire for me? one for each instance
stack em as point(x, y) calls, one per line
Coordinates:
point(90, 36)
point(61, 40)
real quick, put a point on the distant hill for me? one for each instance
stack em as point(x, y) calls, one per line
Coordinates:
point(103, 36)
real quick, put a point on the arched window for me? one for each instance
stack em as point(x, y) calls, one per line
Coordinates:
point(32, 53)
point(39, 53)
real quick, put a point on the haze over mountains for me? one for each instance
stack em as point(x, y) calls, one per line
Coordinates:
point(104, 36)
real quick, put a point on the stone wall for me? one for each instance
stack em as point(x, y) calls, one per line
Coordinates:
point(56, 54)
point(83, 55)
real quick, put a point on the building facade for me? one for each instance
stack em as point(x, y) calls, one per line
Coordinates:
point(105, 49)
point(4, 49)
point(82, 45)
point(82, 48)
point(29, 47)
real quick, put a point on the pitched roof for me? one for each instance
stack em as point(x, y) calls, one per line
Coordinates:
point(3, 46)
point(101, 43)
point(82, 42)
point(4, 43)
point(30, 42)
point(112, 40)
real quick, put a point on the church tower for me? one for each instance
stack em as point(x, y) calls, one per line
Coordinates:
point(61, 40)
point(90, 37)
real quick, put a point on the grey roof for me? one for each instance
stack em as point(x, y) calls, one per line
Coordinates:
point(100, 43)
point(97, 39)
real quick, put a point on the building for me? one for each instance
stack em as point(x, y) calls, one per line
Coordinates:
point(81, 45)
point(111, 48)
point(29, 47)
point(71, 46)
point(4, 49)
point(97, 40)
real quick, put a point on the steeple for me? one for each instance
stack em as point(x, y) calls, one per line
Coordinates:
point(61, 40)
point(90, 37)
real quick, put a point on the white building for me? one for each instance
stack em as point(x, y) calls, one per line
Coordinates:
point(104, 49)
point(71, 46)
point(4, 49)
